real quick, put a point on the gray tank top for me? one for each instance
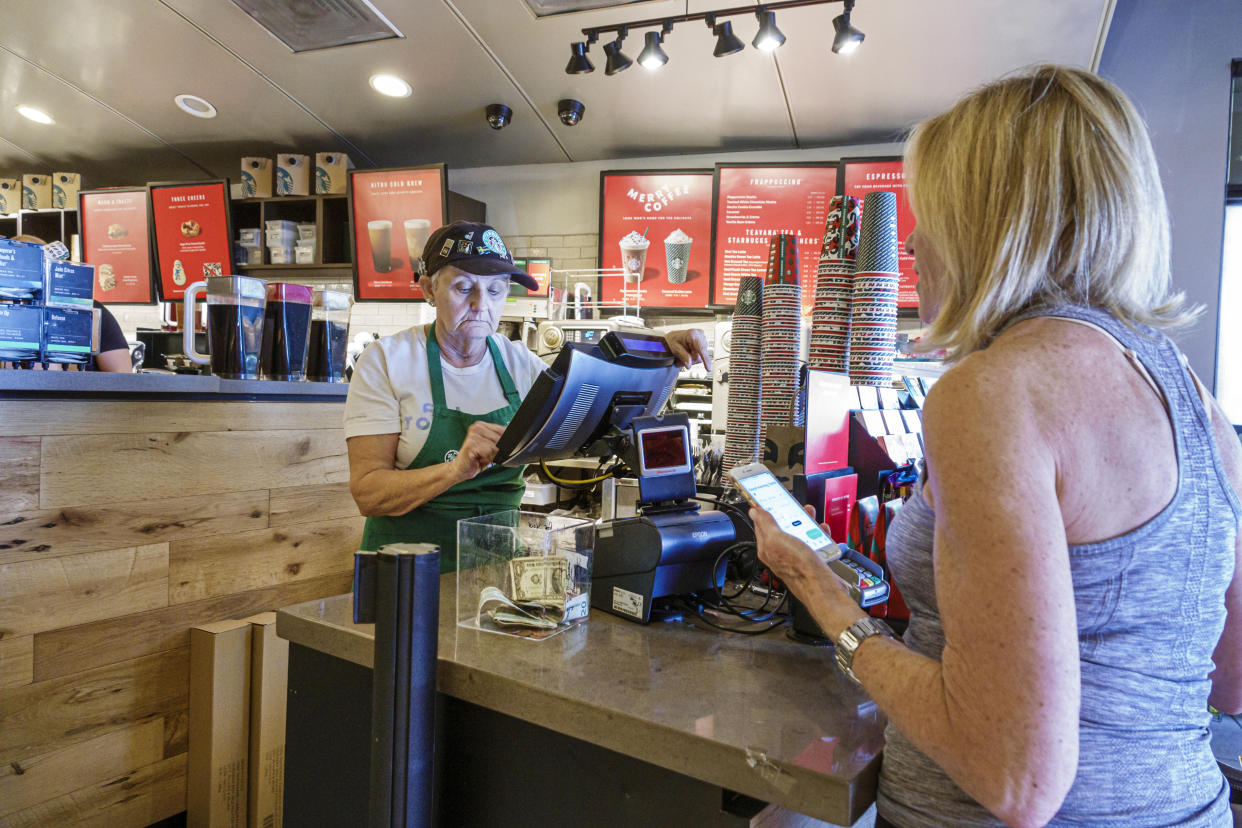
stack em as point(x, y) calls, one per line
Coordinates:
point(1150, 610)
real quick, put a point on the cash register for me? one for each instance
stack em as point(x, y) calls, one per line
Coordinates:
point(602, 400)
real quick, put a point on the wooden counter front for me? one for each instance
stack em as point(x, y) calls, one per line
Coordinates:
point(123, 523)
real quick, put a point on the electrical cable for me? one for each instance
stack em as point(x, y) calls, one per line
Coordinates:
point(576, 484)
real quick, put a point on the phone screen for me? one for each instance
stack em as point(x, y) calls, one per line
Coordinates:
point(768, 493)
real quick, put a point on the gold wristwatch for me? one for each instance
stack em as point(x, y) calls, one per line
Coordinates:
point(854, 635)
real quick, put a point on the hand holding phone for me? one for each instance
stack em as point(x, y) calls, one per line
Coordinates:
point(761, 488)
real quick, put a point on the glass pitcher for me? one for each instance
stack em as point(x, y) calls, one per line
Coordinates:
point(234, 325)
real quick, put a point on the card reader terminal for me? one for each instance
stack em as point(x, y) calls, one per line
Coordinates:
point(864, 577)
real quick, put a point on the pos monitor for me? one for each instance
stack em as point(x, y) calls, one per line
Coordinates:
point(586, 392)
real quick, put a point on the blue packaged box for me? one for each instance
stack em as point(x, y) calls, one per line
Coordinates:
point(68, 335)
point(69, 285)
point(21, 269)
point(21, 332)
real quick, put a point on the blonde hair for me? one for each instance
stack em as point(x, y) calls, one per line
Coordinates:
point(1038, 189)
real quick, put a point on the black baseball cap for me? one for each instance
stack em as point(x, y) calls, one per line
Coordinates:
point(475, 248)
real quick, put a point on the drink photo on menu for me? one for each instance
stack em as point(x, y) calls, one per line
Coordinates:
point(394, 211)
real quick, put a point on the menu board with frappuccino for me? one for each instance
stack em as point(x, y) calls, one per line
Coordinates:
point(755, 202)
point(116, 241)
point(655, 237)
point(868, 175)
point(394, 211)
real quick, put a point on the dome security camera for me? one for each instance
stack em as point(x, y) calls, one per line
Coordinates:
point(570, 111)
point(498, 116)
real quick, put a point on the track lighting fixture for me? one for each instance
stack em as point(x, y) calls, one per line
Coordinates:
point(767, 39)
point(847, 37)
point(727, 43)
point(617, 61)
point(579, 63)
point(653, 56)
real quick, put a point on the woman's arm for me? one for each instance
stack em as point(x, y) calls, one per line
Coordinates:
point(379, 489)
point(1226, 694)
point(999, 711)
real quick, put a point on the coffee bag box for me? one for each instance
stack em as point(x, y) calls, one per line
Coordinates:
point(21, 269)
point(65, 188)
point(70, 335)
point(256, 177)
point(292, 174)
point(331, 173)
point(21, 332)
point(36, 192)
point(10, 195)
point(69, 285)
point(269, 682)
point(219, 730)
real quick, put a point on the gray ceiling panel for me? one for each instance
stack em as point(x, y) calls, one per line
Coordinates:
point(110, 86)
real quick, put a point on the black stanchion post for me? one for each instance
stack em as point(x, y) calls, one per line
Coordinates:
point(404, 602)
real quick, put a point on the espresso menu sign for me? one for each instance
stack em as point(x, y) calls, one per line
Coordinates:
point(754, 203)
point(655, 230)
point(115, 239)
point(193, 236)
point(394, 211)
point(869, 175)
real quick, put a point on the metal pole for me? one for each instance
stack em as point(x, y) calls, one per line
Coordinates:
point(403, 599)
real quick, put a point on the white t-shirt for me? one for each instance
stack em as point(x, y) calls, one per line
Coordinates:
point(390, 391)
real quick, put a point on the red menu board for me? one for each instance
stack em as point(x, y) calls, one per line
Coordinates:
point(754, 203)
point(656, 227)
point(193, 237)
point(541, 270)
point(394, 211)
point(115, 239)
point(867, 176)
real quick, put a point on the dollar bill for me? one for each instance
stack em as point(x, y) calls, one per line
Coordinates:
point(539, 579)
point(503, 612)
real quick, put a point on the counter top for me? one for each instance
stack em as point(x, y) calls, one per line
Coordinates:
point(16, 384)
point(761, 715)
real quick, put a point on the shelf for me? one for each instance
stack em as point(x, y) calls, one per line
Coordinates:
point(330, 266)
point(288, 199)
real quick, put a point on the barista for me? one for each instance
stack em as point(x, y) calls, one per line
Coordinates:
point(426, 406)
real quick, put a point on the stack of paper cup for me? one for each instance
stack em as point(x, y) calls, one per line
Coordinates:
point(782, 331)
point(873, 312)
point(834, 285)
point(743, 435)
point(677, 255)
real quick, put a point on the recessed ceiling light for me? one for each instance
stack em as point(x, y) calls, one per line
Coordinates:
point(196, 106)
point(391, 85)
point(36, 115)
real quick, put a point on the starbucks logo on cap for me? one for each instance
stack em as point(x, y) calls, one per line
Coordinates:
point(493, 242)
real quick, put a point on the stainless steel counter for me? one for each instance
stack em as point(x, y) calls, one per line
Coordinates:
point(760, 715)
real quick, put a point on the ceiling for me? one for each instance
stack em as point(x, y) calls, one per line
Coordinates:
point(107, 72)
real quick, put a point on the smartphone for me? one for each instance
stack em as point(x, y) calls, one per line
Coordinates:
point(761, 488)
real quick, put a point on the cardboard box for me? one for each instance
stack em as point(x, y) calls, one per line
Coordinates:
point(65, 186)
point(69, 285)
point(292, 174)
point(10, 195)
point(219, 725)
point(36, 192)
point(256, 177)
point(331, 176)
point(269, 682)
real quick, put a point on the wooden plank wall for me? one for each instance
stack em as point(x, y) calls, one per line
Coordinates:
point(123, 524)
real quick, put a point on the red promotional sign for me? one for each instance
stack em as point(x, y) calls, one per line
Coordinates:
point(116, 241)
point(394, 211)
point(193, 239)
point(754, 203)
point(862, 177)
point(541, 271)
point(656, 226)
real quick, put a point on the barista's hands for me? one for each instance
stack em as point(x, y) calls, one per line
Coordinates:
point(688, 346)
point(477, 450)
point(805, 574)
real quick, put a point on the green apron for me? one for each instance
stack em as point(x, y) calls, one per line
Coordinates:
point(493, 490)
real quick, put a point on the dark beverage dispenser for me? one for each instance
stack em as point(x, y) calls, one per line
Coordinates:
point(234, 325)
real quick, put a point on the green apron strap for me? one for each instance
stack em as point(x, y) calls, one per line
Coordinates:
point(435, 373)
